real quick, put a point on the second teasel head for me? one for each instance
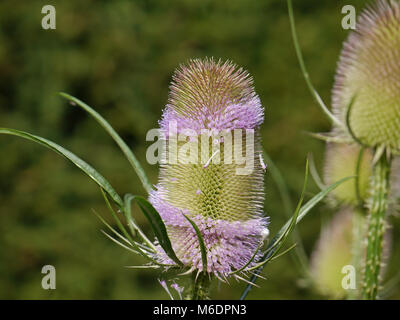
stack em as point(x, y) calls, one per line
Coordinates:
point(368, 74)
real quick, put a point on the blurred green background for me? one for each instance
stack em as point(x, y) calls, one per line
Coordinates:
point(119, 56)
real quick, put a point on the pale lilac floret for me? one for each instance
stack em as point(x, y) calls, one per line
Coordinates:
point(246, 115)
point(230, 244)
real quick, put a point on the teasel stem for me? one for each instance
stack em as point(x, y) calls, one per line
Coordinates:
point(200, 286)
point(303, 68)
point(358, 228)
point(378, 204)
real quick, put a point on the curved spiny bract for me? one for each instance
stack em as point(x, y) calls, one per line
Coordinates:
point(340, 162)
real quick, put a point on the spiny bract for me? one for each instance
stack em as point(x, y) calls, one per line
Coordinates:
point(226, 206)
point(341, 162)
point(369, 73)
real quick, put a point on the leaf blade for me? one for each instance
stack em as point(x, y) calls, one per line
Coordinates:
point(280, 239)
point(202, 245)
point(304, 71)
point(133, 226)
point(81, 164)
point(303, 212)
point(300, 254)
point(115, 136)
point(158, 227)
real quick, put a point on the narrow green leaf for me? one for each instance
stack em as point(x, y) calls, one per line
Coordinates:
point(203, 248)
point(300, 255)
point(85, 167)
point(133, 226)
point(348, 126)
point(284, 252)
point(136, 247)
point(111, 228)
point(128, 213)
point(248, 262)
point(158, 227)
point(116, 218)
point(119, 243)
point(122, 145)
point(315, 174)
point(280, 183)
point(303, 212)
point(303, 68)
point(315, 200)
point(279, 240)
point(328, 137)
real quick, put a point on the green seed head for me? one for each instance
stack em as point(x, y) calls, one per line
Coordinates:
point(369, 72)
point(210, 189)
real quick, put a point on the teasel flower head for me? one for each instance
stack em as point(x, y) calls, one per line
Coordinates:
point(214, 101)
point(205, 94)
point(368, 77)
point(341, 161)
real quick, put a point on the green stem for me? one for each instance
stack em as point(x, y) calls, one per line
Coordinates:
point(376, 226)
point(200, 286)
point(303, 68)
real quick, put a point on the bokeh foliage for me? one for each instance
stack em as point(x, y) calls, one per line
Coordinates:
point(119, 56)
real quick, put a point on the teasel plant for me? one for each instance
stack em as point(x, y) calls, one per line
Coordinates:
point(208, 222)
point(365, 135)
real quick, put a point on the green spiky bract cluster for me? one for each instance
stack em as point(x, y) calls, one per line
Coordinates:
point(366, 104)
point(369, 72)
